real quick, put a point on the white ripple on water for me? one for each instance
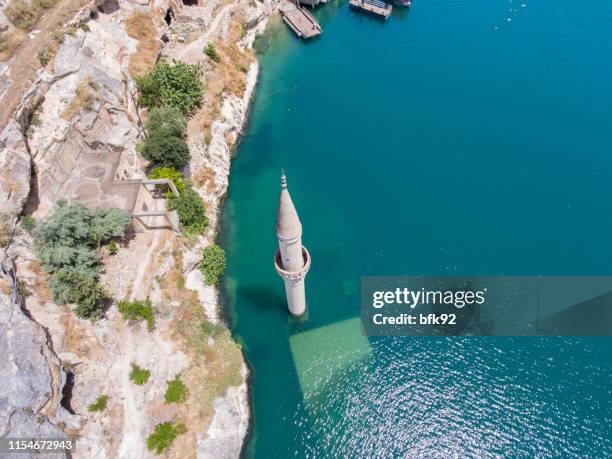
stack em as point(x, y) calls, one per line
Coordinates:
point(449, 398)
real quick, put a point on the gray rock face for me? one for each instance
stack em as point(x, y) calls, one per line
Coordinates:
point(15, 167)
point(32, 379)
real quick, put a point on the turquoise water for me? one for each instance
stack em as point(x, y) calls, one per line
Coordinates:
point(447, 140)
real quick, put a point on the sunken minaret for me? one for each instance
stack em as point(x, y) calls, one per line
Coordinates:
point(291, 260)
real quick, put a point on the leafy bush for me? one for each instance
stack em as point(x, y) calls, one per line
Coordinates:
point(139, 375)
point(211, 52)
point(177, 85)
point(213, 264)
point(168, 120)
point(191, 211)
point(65, 243)
point(135, 310)
point(169, 173)
point(177, 391)
point(165, 150)
point(163, 435)
point(99, 405)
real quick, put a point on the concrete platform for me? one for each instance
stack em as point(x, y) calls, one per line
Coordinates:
point(303, 24)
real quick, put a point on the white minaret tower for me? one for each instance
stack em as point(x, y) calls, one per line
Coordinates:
point(291, 260)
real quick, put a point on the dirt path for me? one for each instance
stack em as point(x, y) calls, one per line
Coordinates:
point(25, 66)
point(133, 439)
point(132, 444)
point(193, 53)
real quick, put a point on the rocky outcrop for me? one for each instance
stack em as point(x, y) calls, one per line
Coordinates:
point(32, 377)
point(82, 141)
point(15, 166)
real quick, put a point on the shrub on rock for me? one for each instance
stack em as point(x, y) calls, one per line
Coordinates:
point(213, 264)
point(176, 85)
point(164, 434)
point(191, 211)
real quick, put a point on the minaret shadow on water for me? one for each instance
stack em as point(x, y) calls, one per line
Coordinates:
point(291, 260)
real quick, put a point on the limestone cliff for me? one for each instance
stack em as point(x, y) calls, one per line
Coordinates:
point(72, 134)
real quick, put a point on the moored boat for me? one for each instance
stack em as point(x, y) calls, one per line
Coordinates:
point(375, 8)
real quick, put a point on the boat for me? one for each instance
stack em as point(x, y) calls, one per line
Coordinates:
point(404, 3)
point(375, 8)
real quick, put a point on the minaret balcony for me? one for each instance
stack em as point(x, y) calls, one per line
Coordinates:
point(292, 275)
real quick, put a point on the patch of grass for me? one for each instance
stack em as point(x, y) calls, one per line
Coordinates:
point(139, 375)
point(164, 434)
point(217, 366)
point(99, 405)
point(227, 76)
point(136, 310)
point(212, 53)
point(210, 329)
point(9, 42)
point(43, 57)
point(82, 100)
point(141, 27)
point(5, 230)
point(43, 4)
point(22, 15)
point(177, 391)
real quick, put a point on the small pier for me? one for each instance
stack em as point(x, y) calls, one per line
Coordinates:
point(375, 8)
point(303, 24)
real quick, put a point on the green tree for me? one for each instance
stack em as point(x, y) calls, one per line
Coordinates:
point(213, 264)
point(168, 120)
point(84, 291)
point(177, 85)
point(165, 150)
point(191, 211)
point(65, 244)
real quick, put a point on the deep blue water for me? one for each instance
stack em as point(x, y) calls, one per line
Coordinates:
point(448, 140)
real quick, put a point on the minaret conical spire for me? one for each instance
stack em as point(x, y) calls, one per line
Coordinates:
point(288, 225)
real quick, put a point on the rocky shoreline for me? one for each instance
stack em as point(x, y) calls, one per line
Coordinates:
point(95, 358)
